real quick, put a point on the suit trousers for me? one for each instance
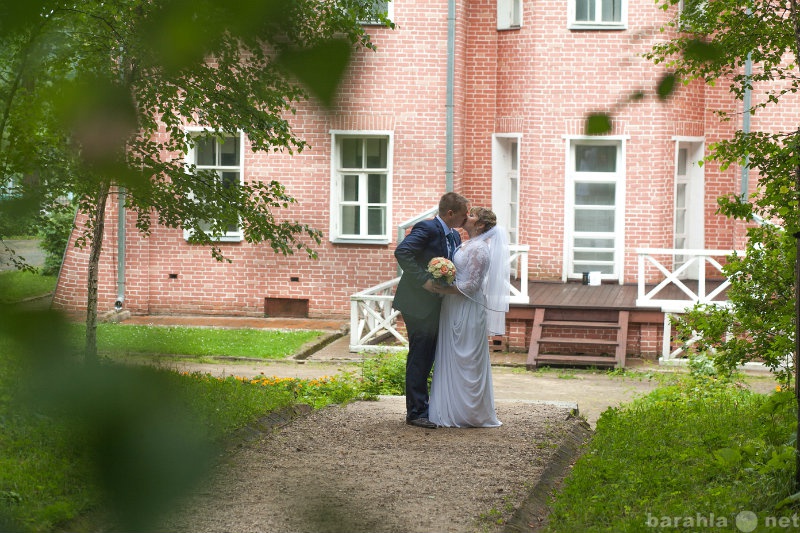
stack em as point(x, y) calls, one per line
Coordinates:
point(422, 337)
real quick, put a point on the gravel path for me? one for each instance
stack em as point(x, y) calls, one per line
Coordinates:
point(360, 468)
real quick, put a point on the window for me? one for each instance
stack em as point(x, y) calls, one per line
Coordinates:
point(594, 219)
point(361, 185)
point(224, 157)
point(509, 14)
point(380, 6)
point(598, 14)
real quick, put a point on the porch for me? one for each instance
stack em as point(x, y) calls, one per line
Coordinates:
point(569, 322)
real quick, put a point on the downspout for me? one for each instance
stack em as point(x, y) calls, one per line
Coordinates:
point(746, 104)
point(120, 251)
point(451, 47)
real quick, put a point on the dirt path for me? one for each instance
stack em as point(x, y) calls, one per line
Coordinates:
point(362, 469)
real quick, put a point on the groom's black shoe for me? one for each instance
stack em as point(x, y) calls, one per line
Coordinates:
point(421, 422)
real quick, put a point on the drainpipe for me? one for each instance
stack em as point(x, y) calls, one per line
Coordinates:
point(746, 104)
point(451, 47)
point(120, 251)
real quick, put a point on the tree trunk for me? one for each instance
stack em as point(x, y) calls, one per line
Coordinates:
point(797, 342)
point(794, 10)
point(93, 274)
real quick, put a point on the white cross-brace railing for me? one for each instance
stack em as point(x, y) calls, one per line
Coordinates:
point(695, 262)
point(373, 319)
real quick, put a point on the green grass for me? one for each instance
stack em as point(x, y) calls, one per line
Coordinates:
point(56, 429)
point(16, 285)
point(691, 450)
point(163, 340)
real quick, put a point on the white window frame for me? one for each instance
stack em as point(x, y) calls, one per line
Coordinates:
point(336, 234)
point(389, 14)
point(597, 23)
point(509, 14)
point(505, 170)
point(191, 158)
point(618, 178)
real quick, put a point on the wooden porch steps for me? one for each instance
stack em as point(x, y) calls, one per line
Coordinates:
point(604, 329)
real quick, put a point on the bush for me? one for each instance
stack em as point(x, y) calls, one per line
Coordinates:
point(384, 374)
point(54, 232)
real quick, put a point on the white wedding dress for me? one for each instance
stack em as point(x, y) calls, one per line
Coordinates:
point(461, 387)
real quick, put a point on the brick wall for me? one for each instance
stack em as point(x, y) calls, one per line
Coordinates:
point(539, 81)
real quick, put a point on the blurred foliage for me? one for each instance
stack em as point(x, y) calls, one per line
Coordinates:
point(95, 98)
point(54, 232)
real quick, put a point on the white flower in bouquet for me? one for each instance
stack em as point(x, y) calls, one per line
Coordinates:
point(442, 269)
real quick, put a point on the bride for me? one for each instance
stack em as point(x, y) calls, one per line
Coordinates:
point(473, 308)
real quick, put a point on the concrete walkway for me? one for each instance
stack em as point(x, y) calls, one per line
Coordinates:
point(588, 392)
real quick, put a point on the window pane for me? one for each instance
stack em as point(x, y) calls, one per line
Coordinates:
point(593, 267)
point(680, 196)
point(204, 150)
point(594, 221)
point(594, 256)
point(375, 220)
point(514, 156)
point(229, 155)
point(584, 10)
point(590, 158)
point(351, 153)
point(351, 219)
point(350, 188)
point(594, 243)
point(230, 179)
point(680, 221)
point(376, 190)
point(595, 194)
point(376, 153)
point(612, 10)
point(682, 155)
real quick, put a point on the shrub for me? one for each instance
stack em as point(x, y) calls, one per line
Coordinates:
point(54, 232)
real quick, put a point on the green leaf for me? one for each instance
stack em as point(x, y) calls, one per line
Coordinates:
point(728, 456)
point(15, 15)
point(598, 124)
point(666, 86)
point(320, 68)
point(699, 50)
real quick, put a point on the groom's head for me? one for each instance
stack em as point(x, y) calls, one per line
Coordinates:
point(453, 209)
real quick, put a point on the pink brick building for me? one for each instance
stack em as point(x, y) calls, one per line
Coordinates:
point(524, 77)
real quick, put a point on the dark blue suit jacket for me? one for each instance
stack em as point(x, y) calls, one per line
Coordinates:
point(425, 241)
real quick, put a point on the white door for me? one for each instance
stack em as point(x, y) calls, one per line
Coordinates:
point(689, 216)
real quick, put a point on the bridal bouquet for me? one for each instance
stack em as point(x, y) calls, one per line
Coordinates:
point(442, 269)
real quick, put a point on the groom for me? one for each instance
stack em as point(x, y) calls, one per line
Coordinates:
point(435, 237)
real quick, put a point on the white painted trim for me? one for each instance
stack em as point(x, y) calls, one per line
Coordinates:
point(231, 236)
point(334, 222)
point(572, 24)
point(619, 208)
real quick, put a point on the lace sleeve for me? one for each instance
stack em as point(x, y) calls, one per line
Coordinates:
point(477, 265)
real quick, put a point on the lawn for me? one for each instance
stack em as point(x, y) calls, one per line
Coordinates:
point(16, 285)
point(697, 454)
point(168, 340)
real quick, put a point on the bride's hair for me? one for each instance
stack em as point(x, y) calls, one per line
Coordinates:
point(486, 217)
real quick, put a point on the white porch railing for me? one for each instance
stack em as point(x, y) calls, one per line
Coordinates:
point(695, 262)
point(373, 319)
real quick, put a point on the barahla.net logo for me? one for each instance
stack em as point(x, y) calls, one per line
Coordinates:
point(745, 521)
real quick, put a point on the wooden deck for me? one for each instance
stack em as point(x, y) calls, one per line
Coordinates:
point(575, 324)
point(556, 294)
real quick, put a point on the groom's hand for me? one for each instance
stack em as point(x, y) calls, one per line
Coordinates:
point(429, 286)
